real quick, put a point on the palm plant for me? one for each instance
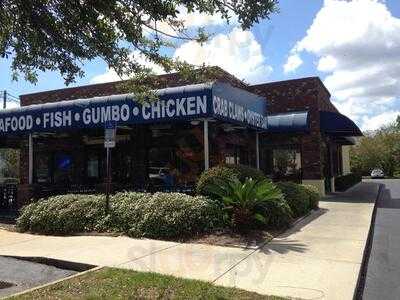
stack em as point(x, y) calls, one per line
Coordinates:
point(245, 201)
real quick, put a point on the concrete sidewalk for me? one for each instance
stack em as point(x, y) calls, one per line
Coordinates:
point(319, 258)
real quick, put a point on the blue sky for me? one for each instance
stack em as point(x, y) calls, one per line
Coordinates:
point(354, 46)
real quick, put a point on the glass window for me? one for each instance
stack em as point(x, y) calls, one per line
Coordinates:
point(63, 168)
point(42, 167)
point(286, 163)
point(282, 163)
point(235, 154)
point(93, 165)
point(162, 167)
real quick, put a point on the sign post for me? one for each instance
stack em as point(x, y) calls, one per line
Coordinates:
point(109, 143)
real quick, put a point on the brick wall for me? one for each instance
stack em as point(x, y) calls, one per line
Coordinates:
point(299, 95)
point(114, 88)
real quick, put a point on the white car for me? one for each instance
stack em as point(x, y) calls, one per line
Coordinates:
point(377, 173)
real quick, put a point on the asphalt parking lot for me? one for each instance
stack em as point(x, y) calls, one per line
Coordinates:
point(383, 269)
point(19, 275)
point(393, 185)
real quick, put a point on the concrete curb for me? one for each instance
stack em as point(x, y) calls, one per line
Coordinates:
point(52, 283)
point(58, 263)
point(359, 290)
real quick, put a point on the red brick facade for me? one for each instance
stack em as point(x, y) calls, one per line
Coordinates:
point(304, 94)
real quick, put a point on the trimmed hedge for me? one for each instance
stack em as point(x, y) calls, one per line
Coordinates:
point(297, 197)
point(278, 214)
point(63, 214)
point(164, 215)
point(225, 172)
point(313, 195)
point(343, 183)
point(160, 215)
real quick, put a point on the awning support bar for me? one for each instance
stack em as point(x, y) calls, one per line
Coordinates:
point(206, 146)
point(30, 150)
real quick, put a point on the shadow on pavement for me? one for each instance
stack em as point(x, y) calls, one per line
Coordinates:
point(284, 246)
point(364, 192)
point(315, 214)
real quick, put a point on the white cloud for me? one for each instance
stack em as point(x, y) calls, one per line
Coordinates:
point(195, 20)
point(238, 52)
point(294, 61)
point(375, 122)
point(10, 104)
point(357, 44)
point(110, 75)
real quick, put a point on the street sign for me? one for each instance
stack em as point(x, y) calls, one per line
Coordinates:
point(109, 137)
point(110, 129)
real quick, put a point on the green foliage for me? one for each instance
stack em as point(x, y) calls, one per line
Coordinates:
point(297, 197)
point(160, 215)
point(313, 195)
point(63, 214)
point(277, 214)
point(245, 202)
point(345, 182)
point(164, 215)
point(379, 149)
point(62, 35)
point(118, 284)
point(226, 172)
point(9, 163)
point(243, 172)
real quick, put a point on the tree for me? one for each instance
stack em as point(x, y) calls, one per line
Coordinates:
point(41, 35)
point(379, 149)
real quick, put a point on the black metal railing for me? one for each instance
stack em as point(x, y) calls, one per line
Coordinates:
point(48, 190)
point(8, 197)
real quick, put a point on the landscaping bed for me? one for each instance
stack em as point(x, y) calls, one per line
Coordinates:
point(109, 283)
point(231, 208)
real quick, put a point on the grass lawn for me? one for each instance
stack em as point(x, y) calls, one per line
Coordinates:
point(109, 283)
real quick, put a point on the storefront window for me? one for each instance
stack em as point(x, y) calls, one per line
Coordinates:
point(63, 168)
point(93, 165)
point(42, 167)
point(282, 163)
point(162, 167)
point(175, 157)
point(236, 155)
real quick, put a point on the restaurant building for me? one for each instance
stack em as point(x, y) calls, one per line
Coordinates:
point(288, 129)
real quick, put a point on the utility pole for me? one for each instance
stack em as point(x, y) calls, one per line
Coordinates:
point(4, 99)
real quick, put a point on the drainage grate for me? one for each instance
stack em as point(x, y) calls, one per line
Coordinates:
point(5, 285)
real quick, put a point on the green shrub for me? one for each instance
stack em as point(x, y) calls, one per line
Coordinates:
point(164, 215)
point(313, 195)
point(226, 172)
point(161, 215)
point(296, 196)
point(343, 183)
point(245, 201)
point(278, 214)
point(62, 214)
point(242, 172)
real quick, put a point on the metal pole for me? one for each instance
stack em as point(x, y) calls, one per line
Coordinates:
point(4, 99)
point(108, 184)
point(206, 146)
point(257, 151)
point(30, 153)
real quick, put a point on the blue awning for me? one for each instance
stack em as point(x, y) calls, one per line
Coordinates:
point(288, 122)
point(209, 100)
point(336, 124)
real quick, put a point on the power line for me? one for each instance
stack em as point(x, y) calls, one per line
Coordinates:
point(7, 97)
point(11, 95)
